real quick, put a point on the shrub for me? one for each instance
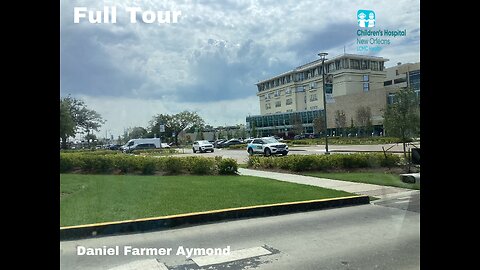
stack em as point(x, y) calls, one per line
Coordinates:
point(202, 165)
point(69, 162)
point(172, 165)
point(148, 165)
point(227, 166)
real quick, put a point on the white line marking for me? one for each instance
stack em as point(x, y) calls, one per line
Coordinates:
point(402, 201)
point(233, 256)
point(150, 264)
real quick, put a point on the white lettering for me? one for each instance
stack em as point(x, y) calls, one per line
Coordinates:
point(77, 15)
point(133, 13)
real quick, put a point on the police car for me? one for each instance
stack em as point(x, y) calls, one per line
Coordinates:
point(267, 146)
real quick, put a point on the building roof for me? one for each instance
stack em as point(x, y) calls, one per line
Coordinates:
point(327, 61)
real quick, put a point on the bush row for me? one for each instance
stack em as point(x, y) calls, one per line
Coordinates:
point(299, 163)
point(346, 140)
point(88, 163)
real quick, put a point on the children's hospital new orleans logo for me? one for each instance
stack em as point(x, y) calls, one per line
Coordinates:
point(373, 42)
point(362, 18)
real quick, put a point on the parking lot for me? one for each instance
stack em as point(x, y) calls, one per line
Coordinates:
point(241, 155)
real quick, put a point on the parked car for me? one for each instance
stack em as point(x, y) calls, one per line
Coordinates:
point(217, 143)
point(299, 137)
point(165, 145)
point(267, 146)
point(140, 146)
point(202, 146)
point(230, 142)
point(247, 141)
point(114, 146)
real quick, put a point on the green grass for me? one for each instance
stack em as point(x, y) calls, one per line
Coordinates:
point(377, 178)
point(86, 199)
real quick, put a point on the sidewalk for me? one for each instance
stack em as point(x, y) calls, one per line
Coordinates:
point(381, 192)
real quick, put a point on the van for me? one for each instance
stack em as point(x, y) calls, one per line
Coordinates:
point(134, 143)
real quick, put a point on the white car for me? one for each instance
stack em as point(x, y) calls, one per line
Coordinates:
point(202, 146)
point(267, 146)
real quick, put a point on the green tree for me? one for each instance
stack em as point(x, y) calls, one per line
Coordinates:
point(296, 121)
point(84, 119)
point(364, 119)
point(254, 129)
point(402, 118)
point(137, 133)
point(318, 124)
point(175, 123)
point(340, 121)
point(67, 124)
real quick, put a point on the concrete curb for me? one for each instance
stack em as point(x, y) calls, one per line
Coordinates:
point(167, 222)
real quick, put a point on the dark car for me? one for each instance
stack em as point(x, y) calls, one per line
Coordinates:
point(217, 143)
point(142, 146)
point(230, 142)
point(114, 146)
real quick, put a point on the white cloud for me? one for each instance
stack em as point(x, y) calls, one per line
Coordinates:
point(215, 53)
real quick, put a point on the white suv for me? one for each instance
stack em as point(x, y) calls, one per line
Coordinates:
point(267, 146)
point(202, 146)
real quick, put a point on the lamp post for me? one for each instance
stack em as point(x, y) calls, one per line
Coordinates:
point(322, 56)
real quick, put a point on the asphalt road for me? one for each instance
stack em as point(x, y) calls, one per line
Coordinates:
point(241, 155)
point(382, 236)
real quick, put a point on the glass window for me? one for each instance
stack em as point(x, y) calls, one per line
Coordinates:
point(288, 101)
point(385, 83)
point(366, 87)
point(267, 106)
point(313, 97)
point(278, 103)
point(365, 78)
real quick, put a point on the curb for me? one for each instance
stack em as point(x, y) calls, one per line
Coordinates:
point(167, 222)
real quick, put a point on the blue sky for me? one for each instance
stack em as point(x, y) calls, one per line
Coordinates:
point(211, 59)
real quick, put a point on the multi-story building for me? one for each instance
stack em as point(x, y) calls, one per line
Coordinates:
point(358, 81)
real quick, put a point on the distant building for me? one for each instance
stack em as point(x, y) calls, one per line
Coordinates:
point(358, 81)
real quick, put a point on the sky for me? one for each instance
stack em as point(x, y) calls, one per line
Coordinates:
point(210, 59)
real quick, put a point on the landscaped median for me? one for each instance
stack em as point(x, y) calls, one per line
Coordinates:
point(371, 168)
point(108, 194)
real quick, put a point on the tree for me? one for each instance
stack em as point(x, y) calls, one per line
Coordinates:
point(364, 119)
point(84, 119)
point(175, 123)
point(137, 133)
point(297, 124)
point(402, 118)
point(254, 129)
point(340, 121)
point(318, 124)
point(67, 124)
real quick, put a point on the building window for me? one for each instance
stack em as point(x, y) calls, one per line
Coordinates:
point(313, 85)
point(366, 87)
point(399, 80)
point(278, 104)
point(267, 106)
point(354, 64)
point(374, 65)
point(313, 97)
point(288, 101)
point(385, 83)
point(390, 98)
point(277, 93)
point(314, 108)
point(290, 110)
point(365, 78)
point(288, 91)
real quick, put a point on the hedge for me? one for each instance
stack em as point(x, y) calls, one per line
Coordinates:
point(121, 163)
point(299, 163)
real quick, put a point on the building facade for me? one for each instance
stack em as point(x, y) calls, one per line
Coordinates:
point(358, 81)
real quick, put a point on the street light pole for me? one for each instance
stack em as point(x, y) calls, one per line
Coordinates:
point(322, 56)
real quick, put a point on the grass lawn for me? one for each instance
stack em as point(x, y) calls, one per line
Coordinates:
point(86, 199)
point(377, 178)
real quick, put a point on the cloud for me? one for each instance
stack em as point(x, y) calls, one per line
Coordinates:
point(211, 59)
